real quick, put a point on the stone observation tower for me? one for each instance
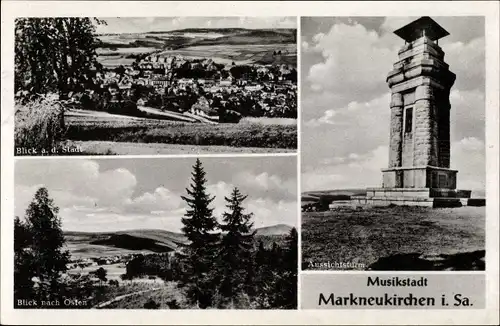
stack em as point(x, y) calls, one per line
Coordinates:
point(419, 148)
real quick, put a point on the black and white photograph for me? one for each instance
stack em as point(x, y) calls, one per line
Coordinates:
point(184, 233)
point(250, 162)
point(155, 85)
point(393, 143)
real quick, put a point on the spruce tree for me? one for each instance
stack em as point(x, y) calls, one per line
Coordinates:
point(291, 267)
point(48, 258)
point(199, 228)
point(23, 271)
point(235, 253)
point(285, 286)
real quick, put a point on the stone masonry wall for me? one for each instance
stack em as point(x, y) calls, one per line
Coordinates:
point(395, 142)
point(443, 134)
point(425, 151)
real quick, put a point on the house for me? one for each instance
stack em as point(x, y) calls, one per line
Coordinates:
point(125, 83)
point(253, 88)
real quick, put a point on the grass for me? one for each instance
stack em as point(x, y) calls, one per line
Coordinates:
point(169, 132)
point(365, 235)
point(168, 293)
point(38, 125)
point(123, 289)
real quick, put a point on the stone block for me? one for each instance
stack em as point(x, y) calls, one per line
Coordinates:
point(476, 202)
point(464, 193)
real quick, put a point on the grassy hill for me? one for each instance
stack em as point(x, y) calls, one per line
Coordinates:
point(395, 238)
point(150, 240)
point(199, 37)
point(278, 229)
point(258, 36)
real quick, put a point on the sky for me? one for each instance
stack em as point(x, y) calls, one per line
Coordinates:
point(148, 24)
point(345, 99)
point(123, 194)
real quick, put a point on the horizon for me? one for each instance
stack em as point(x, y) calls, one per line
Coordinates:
point(198, 28)
point(133, 25)
point(180, 232)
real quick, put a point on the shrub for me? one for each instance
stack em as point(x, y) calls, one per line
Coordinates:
point(39, 124)
point(151, 304)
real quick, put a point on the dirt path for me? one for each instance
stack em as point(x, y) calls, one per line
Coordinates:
point(121, 297)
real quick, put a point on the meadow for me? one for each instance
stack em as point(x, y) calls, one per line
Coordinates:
point(248, 134)
point(396, 238)
point(221, 45)
point(240, 54)
point(168, 296)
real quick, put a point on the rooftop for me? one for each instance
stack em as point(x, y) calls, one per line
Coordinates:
point(422, 26)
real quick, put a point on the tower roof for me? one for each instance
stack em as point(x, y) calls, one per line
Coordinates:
point(416, 29)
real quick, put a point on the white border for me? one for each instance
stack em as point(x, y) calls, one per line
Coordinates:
point(11, 9)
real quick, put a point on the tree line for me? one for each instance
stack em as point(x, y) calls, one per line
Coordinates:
point(220, 266)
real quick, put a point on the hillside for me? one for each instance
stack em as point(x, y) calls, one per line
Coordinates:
point(148, 240)
point(395, 238)
point(278, 229)
point(198, 37)
point(252, 37)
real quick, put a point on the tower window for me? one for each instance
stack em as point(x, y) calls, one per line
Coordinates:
point(409, 120)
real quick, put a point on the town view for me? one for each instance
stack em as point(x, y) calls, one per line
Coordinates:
point(231, 89)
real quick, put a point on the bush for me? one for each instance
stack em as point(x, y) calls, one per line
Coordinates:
point(39, 125)
point(151, 304)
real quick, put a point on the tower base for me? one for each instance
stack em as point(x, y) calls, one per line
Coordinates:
point(419, 177)
point(427, 197)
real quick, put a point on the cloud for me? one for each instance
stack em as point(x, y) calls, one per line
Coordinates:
point(357, 126)
point(271, 184)
point(305, 46)
point(160, 200)
point(81, 178)
point(354, 62)
point(468, 157)
point(364, 170)
point(467, 114)
point(266, 211)
point(327, 118)
point(358, 170)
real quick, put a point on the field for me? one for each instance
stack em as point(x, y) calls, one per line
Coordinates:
point(396, 238)
point(221, 45)
point(240, 54)
point(101, 133)
point(96, 244)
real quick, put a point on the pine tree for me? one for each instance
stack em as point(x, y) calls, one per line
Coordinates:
point(285, 286)
point(235, 253)
point(199, 228)
point(291, 267)
point(23, 271)
point(48, 259)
